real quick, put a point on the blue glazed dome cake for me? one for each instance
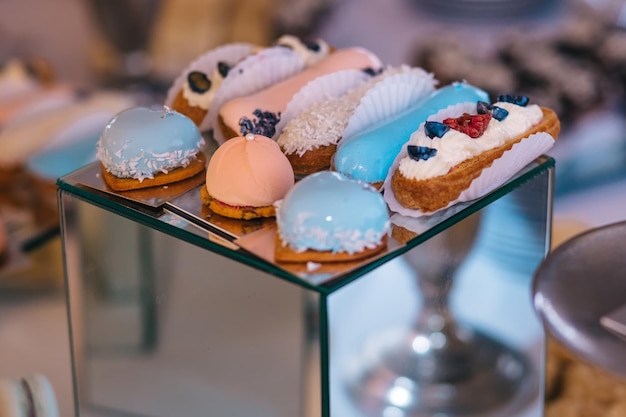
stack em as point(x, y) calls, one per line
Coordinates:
point(327, 217)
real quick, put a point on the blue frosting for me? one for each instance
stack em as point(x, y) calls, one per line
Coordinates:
point(140, 142)
point(58, 162)
point(328, 212)
point(368, 155)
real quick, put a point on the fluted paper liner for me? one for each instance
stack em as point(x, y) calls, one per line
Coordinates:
point(502, 169)
point(389, 97)
point(206, 63)
point(253, 74)
point(320, 90)
point(422, 224)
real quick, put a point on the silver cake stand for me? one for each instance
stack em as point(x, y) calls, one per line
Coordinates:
point(439, 367)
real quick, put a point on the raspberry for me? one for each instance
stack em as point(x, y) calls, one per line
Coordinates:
point(473, 125)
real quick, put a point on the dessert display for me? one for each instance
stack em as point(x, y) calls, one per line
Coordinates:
point(329, 142)
point(142, 148)
point(245, 177)
point(574, 67)
point(260, 112)
point(310, 137)
point(452, 148)
point(31, 396)
point(327, 217)
point(369, 147)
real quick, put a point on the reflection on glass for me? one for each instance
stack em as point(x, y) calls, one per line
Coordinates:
point(163, 328)
point(438, 365)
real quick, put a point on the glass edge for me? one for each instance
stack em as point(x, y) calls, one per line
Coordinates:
point(324, 346)
point(544, 163)
point(188, 236)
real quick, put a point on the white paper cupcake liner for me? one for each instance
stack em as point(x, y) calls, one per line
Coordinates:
point(253, 74)
point(207, 62)
point(502, 169)
point(389, 97)
point(419, 225)
point(319, 90)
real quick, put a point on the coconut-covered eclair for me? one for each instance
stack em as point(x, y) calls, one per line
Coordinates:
point(309, 139)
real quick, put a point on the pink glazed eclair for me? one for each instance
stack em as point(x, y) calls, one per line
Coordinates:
point(260, 112)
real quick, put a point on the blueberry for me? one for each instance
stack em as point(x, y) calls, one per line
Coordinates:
point(499, 113)
point(198, 82)
point(312, 45)
point(245, 126)
point(483, 107)
point(264, 123)
point(223, 68)
point(496, 112)
point(371, 71)
point(420, 152)
point(509, 98)
point(435, 129)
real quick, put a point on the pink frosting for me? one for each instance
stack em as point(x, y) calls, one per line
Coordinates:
point(249, 171)
point(276, 97)
point(35, 101)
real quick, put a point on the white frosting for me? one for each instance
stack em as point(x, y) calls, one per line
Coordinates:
point(308, 56)
point(455, 147)
point(323, 124)
point(203, 100)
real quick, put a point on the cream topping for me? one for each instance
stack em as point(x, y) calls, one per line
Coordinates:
point(455, 147)
point(308, 56)
point(203, 100)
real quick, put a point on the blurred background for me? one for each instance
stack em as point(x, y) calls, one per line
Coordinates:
point(81, 61)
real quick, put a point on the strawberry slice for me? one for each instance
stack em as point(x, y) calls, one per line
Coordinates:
point(473, 125)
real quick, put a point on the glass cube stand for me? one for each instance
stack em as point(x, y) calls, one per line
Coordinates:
point(174, 313)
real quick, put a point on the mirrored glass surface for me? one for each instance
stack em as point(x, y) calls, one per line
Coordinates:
point(161, 327)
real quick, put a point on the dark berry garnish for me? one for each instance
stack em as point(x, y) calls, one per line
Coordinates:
point(371, 71)
point(223, 68)
point(483, 107)
point(198, 82)
point(263, 124)
point(509, 98)
point(421, 152)
point(473, 125)
point(435, 129)
point(496, 112)
point(312, 45)
point(245, 126)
